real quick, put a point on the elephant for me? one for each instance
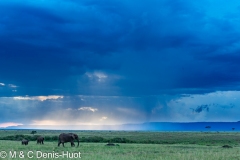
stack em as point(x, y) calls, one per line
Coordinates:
point(40, 140)
point(67, 137)
point(25, 142)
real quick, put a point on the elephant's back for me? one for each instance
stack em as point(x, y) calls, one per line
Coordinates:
point(64, 137)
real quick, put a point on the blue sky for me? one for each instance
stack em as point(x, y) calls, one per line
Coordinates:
point(113, 62)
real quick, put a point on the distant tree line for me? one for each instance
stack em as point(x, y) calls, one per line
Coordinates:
point(55, 138)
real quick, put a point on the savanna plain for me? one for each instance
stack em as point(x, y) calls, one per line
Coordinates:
point(125, 145)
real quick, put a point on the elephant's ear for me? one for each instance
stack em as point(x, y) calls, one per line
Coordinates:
point(73, 137)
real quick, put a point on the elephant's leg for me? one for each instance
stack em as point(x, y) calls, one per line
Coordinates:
point(63, 144)
point(72, 144)
point(59, 143)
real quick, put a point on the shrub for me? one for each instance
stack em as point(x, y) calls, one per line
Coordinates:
point(120, 140)
point(95, 139)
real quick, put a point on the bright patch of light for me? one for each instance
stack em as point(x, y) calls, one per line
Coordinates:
point(45, 122)
point(9, 124)
point(103, 118)
point(22, 98)
point(43, 98)
point(100, 76)
point(2, 84)
point(12, 86)
point(39, 98)
point(88, 109)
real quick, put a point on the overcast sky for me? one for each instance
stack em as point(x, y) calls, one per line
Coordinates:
point(119, 61)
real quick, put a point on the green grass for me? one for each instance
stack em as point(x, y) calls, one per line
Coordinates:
point(98, 151)
point(147, 145)
point(201, 138)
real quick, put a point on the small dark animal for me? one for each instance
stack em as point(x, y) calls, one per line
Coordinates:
point(25, 142)
point(40, 140)
point(112, 144)
point(226, 146)
point(67, 137)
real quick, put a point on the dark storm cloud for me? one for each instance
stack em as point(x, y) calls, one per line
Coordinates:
point(151, 47)
point(201, 108)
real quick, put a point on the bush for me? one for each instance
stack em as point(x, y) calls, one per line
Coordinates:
point(19, 137)
point(54, 138)
point(95, 139)
point(120, 140)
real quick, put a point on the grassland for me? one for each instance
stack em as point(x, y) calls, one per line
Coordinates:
point(142, 145)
